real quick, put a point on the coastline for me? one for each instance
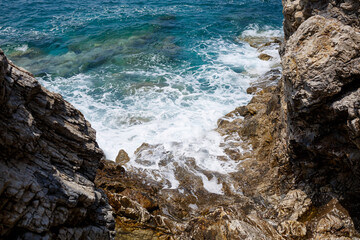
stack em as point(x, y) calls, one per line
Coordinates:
point(297, 142)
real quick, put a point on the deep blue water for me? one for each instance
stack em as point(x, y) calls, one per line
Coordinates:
point(144, 71)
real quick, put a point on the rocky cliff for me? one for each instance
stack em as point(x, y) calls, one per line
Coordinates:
point(321, 79)
point(48, 161)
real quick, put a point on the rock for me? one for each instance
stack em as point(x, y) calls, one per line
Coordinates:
point(298, 11)
point(331, 221)
point(321, 89)
point(264, 57)
point(259, 42)
point(49, 159)
point(251, 90)
point(321, 72)
point(122, 157)
point(304, 132)
point(230, 223)
point(134, 199)
point(294, 205)
point(292, 229)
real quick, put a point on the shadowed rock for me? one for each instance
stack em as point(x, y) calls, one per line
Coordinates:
point(48, 161)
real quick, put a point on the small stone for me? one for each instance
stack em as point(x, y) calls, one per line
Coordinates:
point(122, 157)
point(265, 57)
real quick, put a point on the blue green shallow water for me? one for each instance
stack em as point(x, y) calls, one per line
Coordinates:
point(145, 71)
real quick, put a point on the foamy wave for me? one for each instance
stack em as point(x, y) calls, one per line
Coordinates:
point(266, 31)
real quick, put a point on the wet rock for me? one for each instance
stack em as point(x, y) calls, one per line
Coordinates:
point(230, 223)
point(135, 200)
point(265, 57)
point(259, 42)
point(251, 90)
point(205, 220)
point(122, 157)
point(49, 159)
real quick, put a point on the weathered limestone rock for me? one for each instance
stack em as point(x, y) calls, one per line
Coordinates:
point(122, 157)
point(272, 181)
point(48, 161)
point(321, 70)
point(297, 11)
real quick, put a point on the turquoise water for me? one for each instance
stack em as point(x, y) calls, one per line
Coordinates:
point(145, 71)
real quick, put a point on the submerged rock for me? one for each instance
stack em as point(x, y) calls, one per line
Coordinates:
point(260, 42)
point(48, 162)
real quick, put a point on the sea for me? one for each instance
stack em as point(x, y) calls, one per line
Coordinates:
point(160, 72)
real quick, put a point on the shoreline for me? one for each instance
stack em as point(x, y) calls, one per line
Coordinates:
point(298, 180)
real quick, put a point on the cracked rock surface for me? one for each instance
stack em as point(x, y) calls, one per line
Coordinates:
point(48, 162)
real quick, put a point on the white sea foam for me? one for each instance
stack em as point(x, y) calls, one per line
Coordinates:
point(253, 30)
point(181, 114)
point(22, 48)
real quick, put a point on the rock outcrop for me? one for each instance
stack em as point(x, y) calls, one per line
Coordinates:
point(297, 11)
point(321, 77)
point(48, 162)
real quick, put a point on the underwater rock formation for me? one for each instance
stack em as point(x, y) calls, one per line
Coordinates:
point(48, 162)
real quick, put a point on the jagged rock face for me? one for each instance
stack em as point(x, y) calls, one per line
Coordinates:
point(48, 161)
point(322, 80)
point(297, 11)
point(321, 72)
